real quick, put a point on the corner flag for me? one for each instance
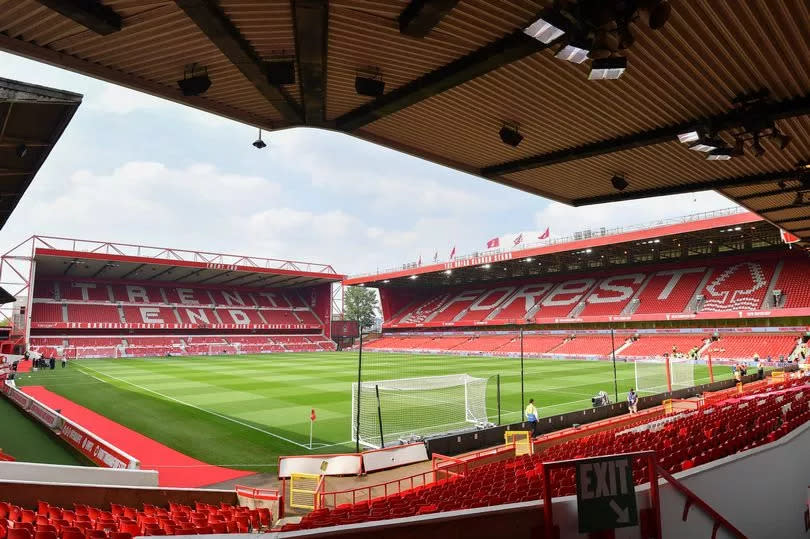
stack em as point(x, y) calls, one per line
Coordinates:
point(312, 415)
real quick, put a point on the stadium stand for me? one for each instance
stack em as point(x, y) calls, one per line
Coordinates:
point(739, 284)
point(682, 441)
point(794, 284)
point(287, 323)
point(746, 346)
point(123, 522)
point(658, 345)
point(588, 345)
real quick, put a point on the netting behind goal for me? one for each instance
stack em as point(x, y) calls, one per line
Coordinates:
point(662, 375)
point(409, 408)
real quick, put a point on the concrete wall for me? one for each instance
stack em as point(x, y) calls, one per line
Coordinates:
point(763, 492)
point(83, 475)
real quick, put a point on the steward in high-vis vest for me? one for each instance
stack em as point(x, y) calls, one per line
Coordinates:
point(531, 416)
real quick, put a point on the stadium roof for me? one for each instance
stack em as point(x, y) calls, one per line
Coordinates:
point(725, 232)
point(456, 71)
point(68, 258)
point(32, 118)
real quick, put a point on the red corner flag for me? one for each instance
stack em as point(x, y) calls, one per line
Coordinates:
point(312, 415)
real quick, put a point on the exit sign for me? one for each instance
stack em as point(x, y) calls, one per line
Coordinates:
point(606, 496)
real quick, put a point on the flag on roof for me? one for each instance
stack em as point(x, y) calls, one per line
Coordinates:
point(453, 252)
point(544, 235)
point(519, 239)
point(787, 237)
point(494, 242)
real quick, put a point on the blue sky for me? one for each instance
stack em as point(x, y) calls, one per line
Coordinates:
point(137, 169)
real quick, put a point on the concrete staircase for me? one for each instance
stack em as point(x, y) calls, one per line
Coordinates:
point(769, 303)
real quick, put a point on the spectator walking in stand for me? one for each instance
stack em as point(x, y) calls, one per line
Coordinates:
point(532, 416)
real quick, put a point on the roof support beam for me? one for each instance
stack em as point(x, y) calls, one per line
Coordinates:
point(791, 220)
point(421, 16)
point(715, 184)
point(786, 207)
point(132, 271)
point(91, 14)
point(511, 48)
point(776, 111)
point(222, 33)
point(774, 192)
point(311, 21)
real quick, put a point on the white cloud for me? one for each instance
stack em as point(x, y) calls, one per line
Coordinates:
point(564, 220)
point(114, 99)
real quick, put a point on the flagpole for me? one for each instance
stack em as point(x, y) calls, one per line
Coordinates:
point(310, 433)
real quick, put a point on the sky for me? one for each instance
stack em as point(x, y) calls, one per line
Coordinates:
point(133, 168)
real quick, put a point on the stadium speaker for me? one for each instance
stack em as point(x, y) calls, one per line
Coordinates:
point(509, 135)
point(370, 86)
point(196, 85)
point(280, 72)
point(619, 183)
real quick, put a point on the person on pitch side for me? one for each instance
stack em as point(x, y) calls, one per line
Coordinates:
point(632, 401)
point(531, 416)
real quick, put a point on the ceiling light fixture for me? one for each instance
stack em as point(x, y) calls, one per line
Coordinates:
point(689, 136)
point(756, 147)
point(548, 27)
point(720, 154)
point(574, 52)
point(412, 277)
point(486, 266)
point(608, 68)
point(706, 144)
point(448, 272)
point(21, 150)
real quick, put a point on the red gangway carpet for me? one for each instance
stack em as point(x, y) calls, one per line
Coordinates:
point(175, 469)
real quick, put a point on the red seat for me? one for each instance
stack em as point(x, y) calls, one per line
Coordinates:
point(18, 533)
point(45, 535)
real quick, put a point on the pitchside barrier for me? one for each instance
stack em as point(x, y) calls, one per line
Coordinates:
point(456, 444)
point(258, 498)
point(96, 449)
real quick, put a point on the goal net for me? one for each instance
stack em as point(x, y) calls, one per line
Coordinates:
point(659, 376)
point(412, 408)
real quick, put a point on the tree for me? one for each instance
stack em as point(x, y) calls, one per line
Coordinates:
point(360, 304)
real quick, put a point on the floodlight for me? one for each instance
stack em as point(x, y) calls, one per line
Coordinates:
point(720, 154)
point(573, 52)
point(618, 182)
point(706, 144)
point(607, 68)
point(549, 26)
point(689, 136)
point(413, 277)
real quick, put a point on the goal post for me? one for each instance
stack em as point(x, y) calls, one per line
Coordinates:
point(664, 375)
point(406, 409)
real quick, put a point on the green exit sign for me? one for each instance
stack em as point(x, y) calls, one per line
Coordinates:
point(606, 496)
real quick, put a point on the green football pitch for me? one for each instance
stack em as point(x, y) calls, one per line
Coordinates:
point(245, 411)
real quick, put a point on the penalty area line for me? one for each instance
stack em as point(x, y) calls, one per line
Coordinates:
point(217, 414)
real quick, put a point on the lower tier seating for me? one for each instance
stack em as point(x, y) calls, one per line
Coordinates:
point(746, 346)
point(77, 347)
point(658, 345)
point(682, 441)
point(122, 522)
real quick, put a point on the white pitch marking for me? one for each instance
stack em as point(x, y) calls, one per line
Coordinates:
point(217, 414)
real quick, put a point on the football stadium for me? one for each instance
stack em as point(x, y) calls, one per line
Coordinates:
point(647, 380)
